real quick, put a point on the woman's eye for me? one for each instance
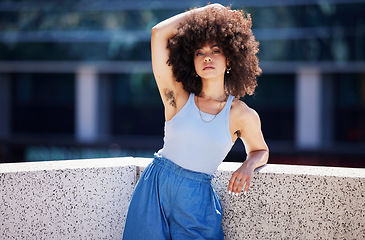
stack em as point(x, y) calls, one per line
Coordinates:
point(199, 54)
point(216, 51)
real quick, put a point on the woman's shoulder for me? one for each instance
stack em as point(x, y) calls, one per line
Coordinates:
point(241, 112)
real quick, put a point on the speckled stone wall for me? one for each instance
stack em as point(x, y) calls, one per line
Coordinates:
point(88, 199)
point(83, 199)
point(295, 202)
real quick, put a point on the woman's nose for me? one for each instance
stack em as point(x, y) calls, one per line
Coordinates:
point(207, 59)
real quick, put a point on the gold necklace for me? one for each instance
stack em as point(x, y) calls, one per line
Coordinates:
point(200, 114)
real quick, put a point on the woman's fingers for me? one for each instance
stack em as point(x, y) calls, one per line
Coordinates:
point(248, 183)
point(231, 182)
point(239, 182)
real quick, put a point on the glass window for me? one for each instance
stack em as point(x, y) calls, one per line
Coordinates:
point(43, 103)
point(349, 107)
point(317, 32)
point(307, 16)
point(136, 107)
point(73, 51)
point(56, 18)
point(274, 102)
point(338, 49)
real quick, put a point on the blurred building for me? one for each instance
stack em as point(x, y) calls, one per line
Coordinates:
point(77, 75)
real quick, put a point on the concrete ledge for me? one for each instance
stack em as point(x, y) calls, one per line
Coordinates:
point(88, 199)
point(81, 199)
point(296, 202)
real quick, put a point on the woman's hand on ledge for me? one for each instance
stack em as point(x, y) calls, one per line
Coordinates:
point(241, 179)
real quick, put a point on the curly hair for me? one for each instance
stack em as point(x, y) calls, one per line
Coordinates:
point(231, 30)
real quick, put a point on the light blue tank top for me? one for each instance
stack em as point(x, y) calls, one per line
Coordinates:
point(194, 144)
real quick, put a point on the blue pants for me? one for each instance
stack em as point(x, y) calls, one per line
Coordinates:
point(170, 202)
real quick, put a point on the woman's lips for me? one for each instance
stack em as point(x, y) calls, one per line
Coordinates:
point(208, 67)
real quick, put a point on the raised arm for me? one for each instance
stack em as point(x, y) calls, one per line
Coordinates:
point(172, 93)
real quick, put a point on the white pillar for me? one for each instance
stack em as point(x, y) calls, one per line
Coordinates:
point(87, 104)
point(4, 106)
point(308, 109)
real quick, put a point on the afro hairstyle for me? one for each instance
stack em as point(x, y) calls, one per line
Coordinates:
point(231, 30)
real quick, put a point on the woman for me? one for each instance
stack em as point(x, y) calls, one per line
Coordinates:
point(203, 61)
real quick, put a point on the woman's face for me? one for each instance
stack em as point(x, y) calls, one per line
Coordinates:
point(210, 61)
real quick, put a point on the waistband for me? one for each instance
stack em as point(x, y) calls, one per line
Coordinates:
point(180, 171)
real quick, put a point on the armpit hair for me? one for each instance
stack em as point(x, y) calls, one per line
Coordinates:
point(170, 96)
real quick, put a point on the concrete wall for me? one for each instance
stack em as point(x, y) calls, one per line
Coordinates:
point(88, 199)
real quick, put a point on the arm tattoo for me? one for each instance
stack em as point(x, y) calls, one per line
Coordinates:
point(170, 96)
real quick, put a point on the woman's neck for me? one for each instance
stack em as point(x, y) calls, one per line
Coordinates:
point(213, 89)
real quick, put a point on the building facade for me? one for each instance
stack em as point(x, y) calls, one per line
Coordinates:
point(77, 75)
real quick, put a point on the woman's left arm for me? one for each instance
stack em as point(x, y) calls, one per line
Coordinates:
point(255, 145)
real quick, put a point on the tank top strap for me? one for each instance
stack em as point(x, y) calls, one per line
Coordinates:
point(191, 98)
point(227, 107)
